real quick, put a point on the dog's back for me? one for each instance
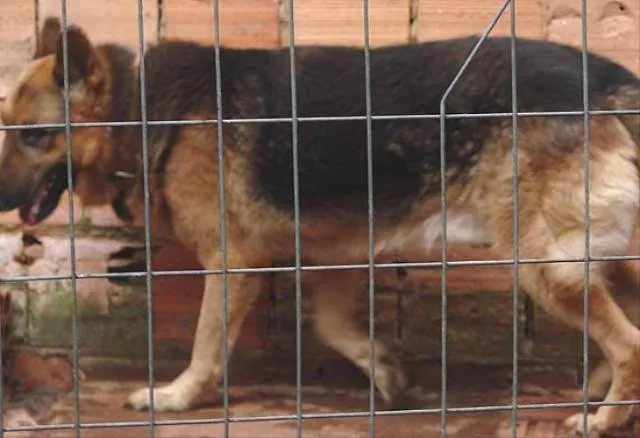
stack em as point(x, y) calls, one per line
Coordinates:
point(406, 81)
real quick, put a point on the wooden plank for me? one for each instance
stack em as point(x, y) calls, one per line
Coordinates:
point(340, 22)
point(113, 21)
point(243, 23)
point(613, 27)
point(17, 40)
point(441, 19)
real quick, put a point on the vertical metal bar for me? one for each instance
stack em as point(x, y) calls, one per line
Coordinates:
point(36, 23)
point(371, 231)
point(223, 223)
point(296, 217)
point(516, 223)
point(587, 218)
point(147, 218)
point(443, 259)
point(414, 15)
point(72, 229)
point(160, 25)
point(443, 206)
point(2, 389)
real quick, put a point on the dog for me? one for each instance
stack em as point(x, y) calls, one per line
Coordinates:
point(259, 214)
point(624, 281)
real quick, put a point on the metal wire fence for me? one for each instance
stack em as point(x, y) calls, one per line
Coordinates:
point(298, 268)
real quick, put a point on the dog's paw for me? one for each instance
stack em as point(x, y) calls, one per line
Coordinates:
point(595, 427)
point(575, 424)
point(402, 400)
point(167, 398)
point(393, 388)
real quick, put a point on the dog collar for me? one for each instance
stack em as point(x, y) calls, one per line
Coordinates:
point(123, 174)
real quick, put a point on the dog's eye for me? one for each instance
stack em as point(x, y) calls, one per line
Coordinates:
point(33, 137)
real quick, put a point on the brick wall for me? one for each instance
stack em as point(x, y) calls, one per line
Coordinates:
point(613, 26)
point(614, 31)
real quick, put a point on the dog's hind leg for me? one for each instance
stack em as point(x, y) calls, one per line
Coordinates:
point(556, 229)
point(553, 224)
point(337, 297)
point(624, 282)
point(559, 289)
point(599, 381)
point(206, 366)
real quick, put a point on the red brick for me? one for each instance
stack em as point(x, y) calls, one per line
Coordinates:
point(243, 23)
point(177, 299)
point(34, 370)
point(17, 40)
point(440, 19)
point(109, 21)
point(337, 22)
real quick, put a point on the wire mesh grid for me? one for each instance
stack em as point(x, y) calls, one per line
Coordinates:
point(298, 268)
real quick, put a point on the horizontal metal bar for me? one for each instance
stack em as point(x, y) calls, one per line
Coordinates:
point(279, 269)
point(321, 416)
point(324, 119)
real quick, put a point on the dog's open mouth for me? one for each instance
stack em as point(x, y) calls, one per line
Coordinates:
point(46, 197)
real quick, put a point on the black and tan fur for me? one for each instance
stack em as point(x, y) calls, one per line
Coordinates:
point(258, 174)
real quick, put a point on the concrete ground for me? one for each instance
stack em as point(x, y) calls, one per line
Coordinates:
point(101, 401)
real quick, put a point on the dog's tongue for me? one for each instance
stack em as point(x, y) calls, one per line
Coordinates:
point(29, 211)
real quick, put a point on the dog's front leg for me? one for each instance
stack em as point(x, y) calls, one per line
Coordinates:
point(206, 365)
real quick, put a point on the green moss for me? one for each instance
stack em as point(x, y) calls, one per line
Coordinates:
point(85, 223)
point(123, 332)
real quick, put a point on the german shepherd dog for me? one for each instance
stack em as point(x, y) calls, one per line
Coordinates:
point(333, 176)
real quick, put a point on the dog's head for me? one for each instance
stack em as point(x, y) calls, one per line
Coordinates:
point(33, 161)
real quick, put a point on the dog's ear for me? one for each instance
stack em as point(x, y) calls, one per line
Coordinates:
point(83, 65)
point(48, 38)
